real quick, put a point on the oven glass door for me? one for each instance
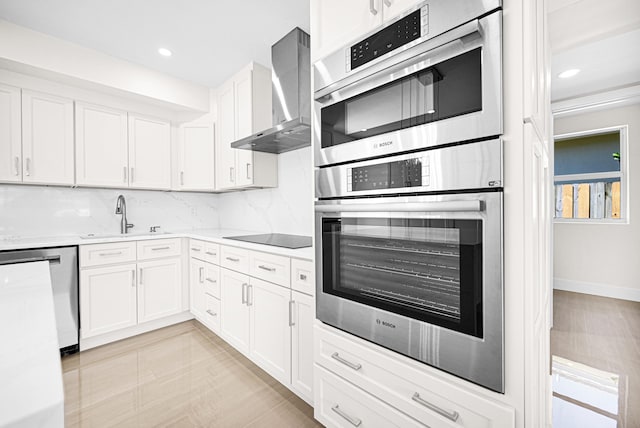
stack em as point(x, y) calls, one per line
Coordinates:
point(428, 269)
point(448, 89)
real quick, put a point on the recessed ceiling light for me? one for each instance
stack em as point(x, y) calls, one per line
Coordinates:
point(164, 52)
point(569, 73)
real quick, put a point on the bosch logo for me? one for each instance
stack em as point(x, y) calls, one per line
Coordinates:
point(383, 144)
point(385, 323)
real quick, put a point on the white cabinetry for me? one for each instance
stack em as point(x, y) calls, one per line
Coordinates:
point(235, 311)
point(10, 134)
point(303, 313)
point(159, 289)
point(47, 139)
point(196, 287)
point(244, 107)
point(149, 153)
point(101, 146)
point(204, 279)
point(196, 157)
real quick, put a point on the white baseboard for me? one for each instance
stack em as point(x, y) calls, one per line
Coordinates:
point(597, 289)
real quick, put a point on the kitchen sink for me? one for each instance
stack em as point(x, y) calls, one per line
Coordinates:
point(120, 235)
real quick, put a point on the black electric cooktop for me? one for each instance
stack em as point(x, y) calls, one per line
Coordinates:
point(276, 239)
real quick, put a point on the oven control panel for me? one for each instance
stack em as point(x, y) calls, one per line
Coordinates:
point(397, 34)
point(406, 173)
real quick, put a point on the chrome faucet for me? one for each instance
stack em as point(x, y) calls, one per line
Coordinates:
point(121, 208)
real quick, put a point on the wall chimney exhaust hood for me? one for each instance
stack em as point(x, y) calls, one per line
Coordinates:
point(291, 86)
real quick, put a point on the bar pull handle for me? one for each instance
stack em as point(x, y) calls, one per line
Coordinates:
point(195, 249)
point(244, 295)
point(114, 253)
point(347, 363)
point(213, 314)
point(182, 178)
point(17, 165)
point(249, 295)
point(133, 278)
point(232, 259)
point(160, 248)
point(50, 259)
point(268, 269)
point(28, 167)
point(351, 419)
point(453, 416)
point(232, 175)
point(213, 281)
point(209, 253)
point(372, 7)
point(248, 174)
point(140, 276)
point(291, 309)
point(124, 174)
point(131, 175)
point(387, 3)
point(201, 274)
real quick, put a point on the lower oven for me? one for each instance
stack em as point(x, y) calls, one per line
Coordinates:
point(415, 271)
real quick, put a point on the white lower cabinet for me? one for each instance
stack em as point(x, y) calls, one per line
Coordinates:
point(303, 312)
point(235, 311)
point(159, 289)
point(107, 299)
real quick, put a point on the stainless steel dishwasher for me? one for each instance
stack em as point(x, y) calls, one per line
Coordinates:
point(63, 265)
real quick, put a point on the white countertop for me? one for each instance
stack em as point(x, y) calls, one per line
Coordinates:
point(212, 235)
point(31, 391)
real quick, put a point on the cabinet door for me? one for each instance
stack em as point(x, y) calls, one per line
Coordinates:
point(244, 125)
point(197, 287)
point(47, 139)
point(107, 299)
point(149, 153)
point(159, 289)
point(197, 168)
point(235, 312)
point(10, 134)
point(225, 155)
point(302, 316)
point(101, 146)
point(393, 8)
point(270, 329)
point(334, 23)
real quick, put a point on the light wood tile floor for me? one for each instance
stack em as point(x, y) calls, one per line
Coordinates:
point(179, 376)
point(604, 334)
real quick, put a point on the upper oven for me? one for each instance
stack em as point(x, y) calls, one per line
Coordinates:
point(429, 78)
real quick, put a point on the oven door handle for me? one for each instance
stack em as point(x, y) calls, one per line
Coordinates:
point(448, 206)
point(383, 70)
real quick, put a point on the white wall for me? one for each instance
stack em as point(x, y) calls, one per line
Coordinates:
point(45, 211)
point(285, 209)
point(602, 259)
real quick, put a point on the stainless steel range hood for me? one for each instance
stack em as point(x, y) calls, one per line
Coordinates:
point(291, 86)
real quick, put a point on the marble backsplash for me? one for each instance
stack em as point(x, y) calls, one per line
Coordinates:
point(30, 211)
point(27, 211)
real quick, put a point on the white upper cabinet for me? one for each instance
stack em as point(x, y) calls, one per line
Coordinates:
point(196, 157)
point(10, 134)
point(149, 153)
point(101, 146)
point(244, 108)
point(47, 139)
point(334, 23)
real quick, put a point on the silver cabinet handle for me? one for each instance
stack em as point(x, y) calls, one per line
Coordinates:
point(354, 366)
point(195, 249)
point(303, 277)
point(453, 416)
point(160, 248)
point(131, 175)
point(28, 167)
point(267, 268)
point(133, 277)
point(115, 253)
point(124, 174)
point(387, 3)
point(232, 177)
point(249, 295)
point(352, 420)
point(213, 281)
point(210, 312)
point(248, 166)
point(17, 165)
point(209, 253)
point(201, 274)
point(182, 178)
point(244, 296)
point(231, 259)
point(372, 7)
point(291, 308)
point(140, 276)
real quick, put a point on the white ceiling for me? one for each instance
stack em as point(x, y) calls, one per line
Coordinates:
point(210, 39)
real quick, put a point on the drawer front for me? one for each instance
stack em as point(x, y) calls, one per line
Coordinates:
point(159, 248)
point(107, 254)
point(425, 397)
point(269, 267)
point(212, 253)
point(340, 404)
point(196, 249)
point(211, 280)
point(234, 258)
point(212, 313)
point(302, 278)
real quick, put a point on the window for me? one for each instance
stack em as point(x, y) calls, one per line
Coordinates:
point(590, 175)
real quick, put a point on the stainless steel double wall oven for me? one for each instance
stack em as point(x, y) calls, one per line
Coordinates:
point(408, 156)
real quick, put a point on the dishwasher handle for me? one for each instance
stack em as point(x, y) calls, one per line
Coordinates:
point(50, 259)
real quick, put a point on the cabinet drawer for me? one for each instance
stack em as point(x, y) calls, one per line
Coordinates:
point(269, 267)
point(340, 404)
point(212, 253)
point(211, 280)
point(159, 248)
point(302, 276)
point(431, 399)
point(212, 313)
point(234, 258)
point(106, 254)
point(196, 249)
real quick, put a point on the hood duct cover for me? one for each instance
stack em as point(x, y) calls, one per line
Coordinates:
point(291, 87)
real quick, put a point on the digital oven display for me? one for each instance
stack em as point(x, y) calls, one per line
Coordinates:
point(391, 175)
